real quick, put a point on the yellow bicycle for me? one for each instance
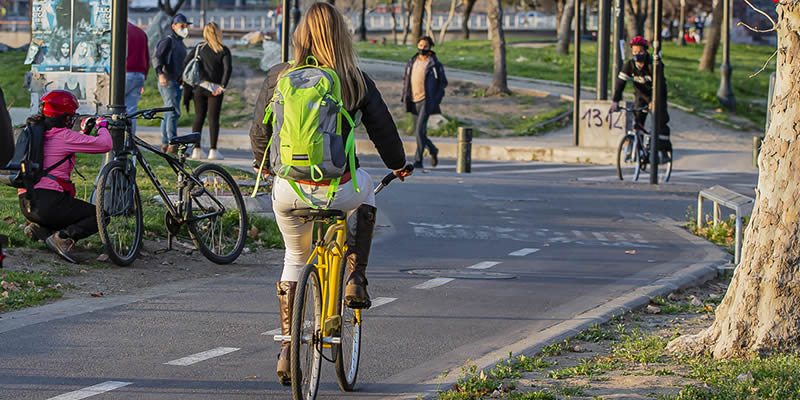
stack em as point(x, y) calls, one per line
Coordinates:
point(321, 322)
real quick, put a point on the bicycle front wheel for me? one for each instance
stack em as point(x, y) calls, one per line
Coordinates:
point(349, 351)
point(626, 157)
point(305, 350)
point(220, 228)
point(119, 213)
point(668, 166)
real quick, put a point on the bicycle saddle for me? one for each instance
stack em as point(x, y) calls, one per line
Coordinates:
point(317, 213)
point(192, 138)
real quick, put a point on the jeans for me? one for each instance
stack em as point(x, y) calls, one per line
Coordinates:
point(172, 98)
point(296, 234)
point(134, 82)
point(421, 132)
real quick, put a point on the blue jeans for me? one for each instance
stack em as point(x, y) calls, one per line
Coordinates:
point(421, 132)
point(172, 98)
point(134, 82)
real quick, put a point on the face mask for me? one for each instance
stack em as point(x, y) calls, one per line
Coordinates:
point(423, 52)
point(183, 32)
point(641, 57)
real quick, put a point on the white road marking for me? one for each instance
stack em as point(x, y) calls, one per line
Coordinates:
point(599, 236)
point(618, 236)
point(638, 238)
point(542, 170)
point(579, 235)
point(491, 165)
point(91, 390)
point(272, 332)
point(379, 301)
point(523, 252)
point(435, 282)
point(196, 358)
point(484, 265)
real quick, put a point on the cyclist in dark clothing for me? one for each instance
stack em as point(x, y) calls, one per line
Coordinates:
point(639, 69)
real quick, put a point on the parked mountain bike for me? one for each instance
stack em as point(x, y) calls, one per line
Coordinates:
point(207, 200)
point(633, 153)
point(321, 322)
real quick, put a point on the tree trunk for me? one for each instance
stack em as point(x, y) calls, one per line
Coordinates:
point(562, 47)
point(165, 6)
point(637, 14)
point(362, 30)
point(649, 22)
point(409, 7)
point(759, 312)
point(394, 22)
point(468, 6)
point(416, 26)
point(429, 18)
point(499, 78)
point(453, 5)
point(709, 59)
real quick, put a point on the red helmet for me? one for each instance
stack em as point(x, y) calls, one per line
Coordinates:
point(640, 41)
point(56, 103)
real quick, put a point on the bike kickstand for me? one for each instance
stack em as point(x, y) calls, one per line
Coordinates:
point(169, 245)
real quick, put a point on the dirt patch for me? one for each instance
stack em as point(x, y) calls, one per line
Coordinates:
point(93, 277)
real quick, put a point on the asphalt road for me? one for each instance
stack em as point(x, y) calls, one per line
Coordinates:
point(559, 236)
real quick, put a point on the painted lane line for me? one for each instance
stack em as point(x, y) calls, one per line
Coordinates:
point(484, 265)
point(544, 170)
point(196, 358)
point(379, 301)
point(272, 332)
point(435, 282)
point(579, 235)
point(523, 252)
point(638, 238)
point(91, 390)
point(600, 236)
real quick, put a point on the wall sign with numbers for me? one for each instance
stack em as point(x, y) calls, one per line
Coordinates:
point(598, 126)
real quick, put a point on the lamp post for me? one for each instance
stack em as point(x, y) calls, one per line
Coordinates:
point(285, 30)
point(603, 38)
point(682, 29)
point(658, 86)
point(119, 46)
point(725, 92)
point(619, 25)
point(295, 15)
point(576, 91)
point(363, 29)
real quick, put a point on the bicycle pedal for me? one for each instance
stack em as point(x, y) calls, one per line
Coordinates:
point(282, 338)
point(332, 325)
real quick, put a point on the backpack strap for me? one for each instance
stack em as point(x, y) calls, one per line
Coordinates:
point(263, 159)
point(47, 171)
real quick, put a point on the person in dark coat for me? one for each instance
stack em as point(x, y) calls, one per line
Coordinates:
point(423, 91)
point(169, 56)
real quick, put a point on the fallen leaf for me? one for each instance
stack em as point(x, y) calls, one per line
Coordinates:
point(651, 309)
point(97, 294)
point(31, 284)
point(102, 257)
point(696, 302)
point(253, 232)
point(88, 245)
point(708, 308)
point(4, 294)
point(673, 297)
point(482, 376)
point(714, 296)
point(10, 286)
point(630, 251)
point(246, 250)
point(9, 220)
point(745, 377)
point(83, 271)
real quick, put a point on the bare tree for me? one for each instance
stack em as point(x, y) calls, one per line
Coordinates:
point(416, 25)
point(562, 47)
point(637, 12)
point(708, 60)
point(759, 312)
point(394, 21)
point(409, 8)
point(468, 6)
point(429, 18)
point(164, 5)
point(454, 5)
point(500, 76)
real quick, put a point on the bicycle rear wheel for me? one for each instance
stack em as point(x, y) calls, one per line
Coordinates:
point(220, 238)
point(305, 348)
point(668, 167)
point(119, 213)
point(349, 351)
point(626, 156)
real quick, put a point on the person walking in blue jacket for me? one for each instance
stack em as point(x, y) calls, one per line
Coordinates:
point(168, 61)
point(423, 90)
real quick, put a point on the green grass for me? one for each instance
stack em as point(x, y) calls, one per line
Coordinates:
point(11, 217)
point(522, 125)
point(640, 348)
point(11, 79)
point(19, 289)
point(723, 234)
point(686, 85)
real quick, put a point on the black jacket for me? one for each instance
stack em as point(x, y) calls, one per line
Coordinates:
point(375, 117)
point(6, 134)
point(642, 82)
point(169, 56)
point(216, 66)
point(435, 82)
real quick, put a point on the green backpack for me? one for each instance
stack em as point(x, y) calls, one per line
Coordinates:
point(307, 141)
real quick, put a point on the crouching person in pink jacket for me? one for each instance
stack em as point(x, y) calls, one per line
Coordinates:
point(55, 215)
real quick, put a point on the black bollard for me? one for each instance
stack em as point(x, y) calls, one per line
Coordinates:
point(464, 162)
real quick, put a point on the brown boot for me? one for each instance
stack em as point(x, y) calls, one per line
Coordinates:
point(286, 292)
point(359, 241)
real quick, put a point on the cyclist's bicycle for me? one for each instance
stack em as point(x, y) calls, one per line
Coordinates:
point(207, 200)
point(321, 322)
point(633, 153)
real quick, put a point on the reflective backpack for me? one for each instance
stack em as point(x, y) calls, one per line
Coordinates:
point(307, 142)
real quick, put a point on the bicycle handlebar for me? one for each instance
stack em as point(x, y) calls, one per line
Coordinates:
point(150, 113)
point(390, 177)
point(631, 109)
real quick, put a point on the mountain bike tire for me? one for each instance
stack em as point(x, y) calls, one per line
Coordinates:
point(305, 347)
point(119, 213)
point(209, 234)
point(349, 350)
point(622, 163)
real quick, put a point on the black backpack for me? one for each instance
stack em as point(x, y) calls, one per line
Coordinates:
point(6, 133)
point(25, 168)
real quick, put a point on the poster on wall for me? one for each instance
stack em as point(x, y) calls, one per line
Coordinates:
point(90, 89)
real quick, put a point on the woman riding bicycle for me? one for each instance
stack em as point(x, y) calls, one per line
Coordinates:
point(324, 35)
point(55, 215)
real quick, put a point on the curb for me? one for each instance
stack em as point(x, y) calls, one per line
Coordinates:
point(692, 275)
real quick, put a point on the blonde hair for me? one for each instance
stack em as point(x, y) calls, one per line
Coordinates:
point(213, 36)
point(323, 34)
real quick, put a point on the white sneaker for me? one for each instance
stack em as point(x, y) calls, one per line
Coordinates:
point(213, 154)
point(198, 154)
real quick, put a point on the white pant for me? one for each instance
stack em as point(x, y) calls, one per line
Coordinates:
point(296, 234)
